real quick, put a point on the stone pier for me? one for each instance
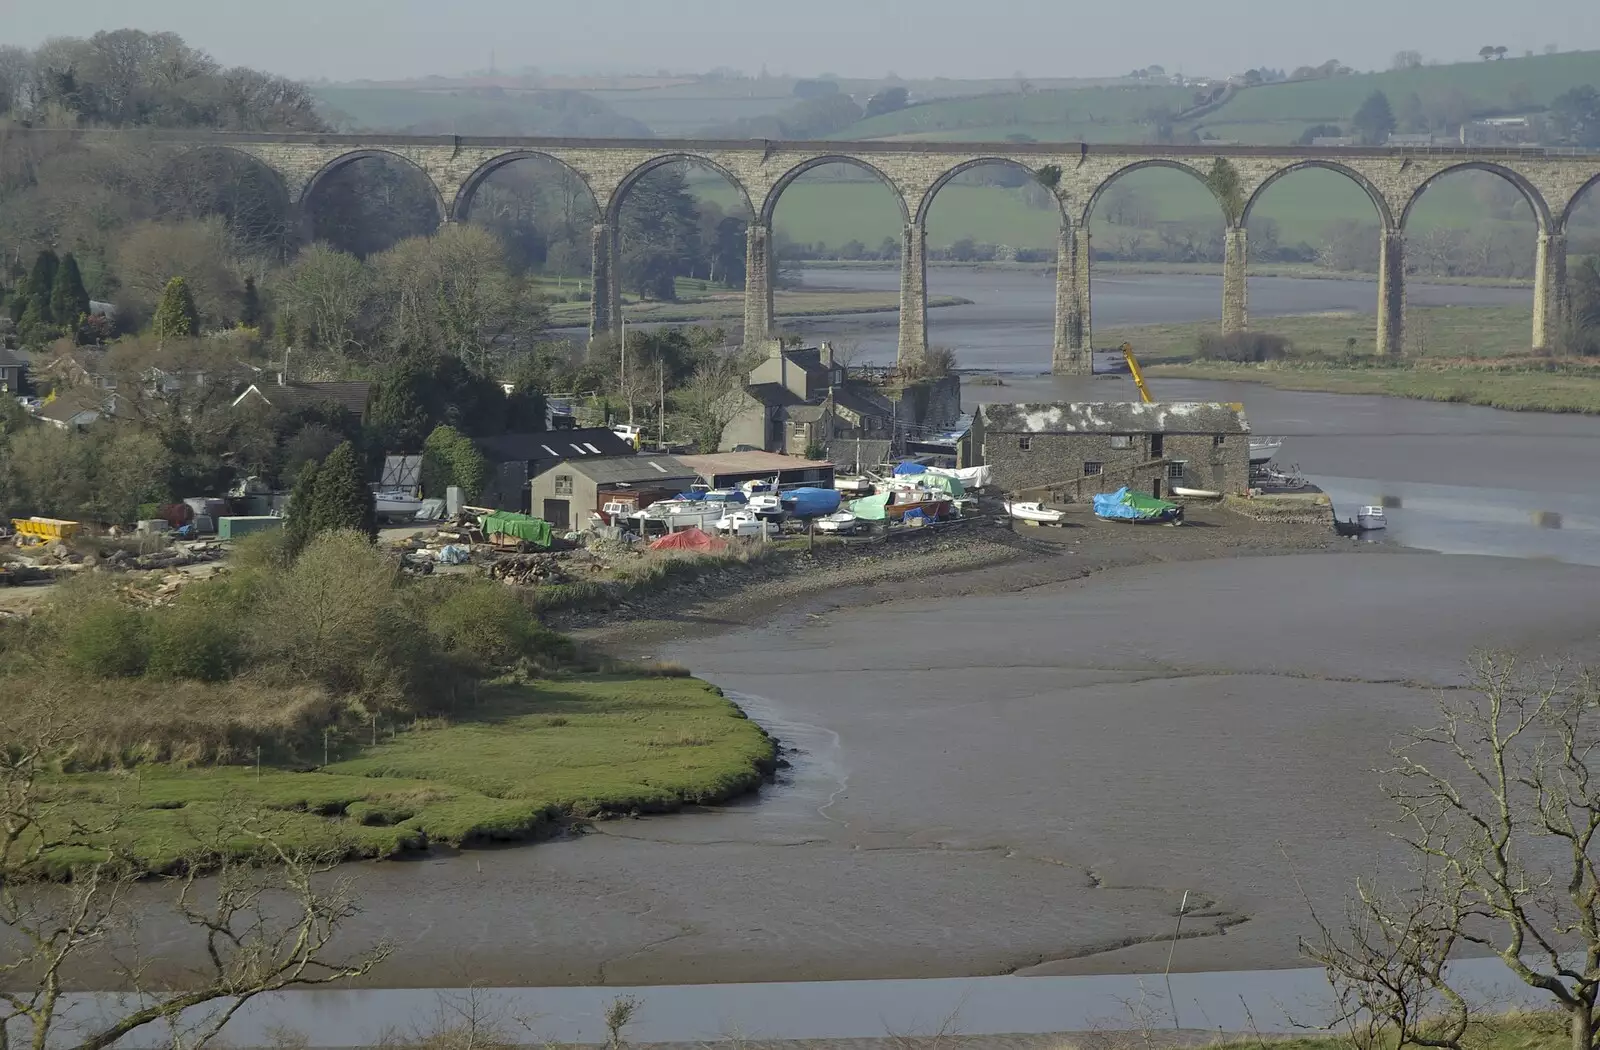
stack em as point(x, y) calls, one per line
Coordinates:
point(758, 314)
point(1070, 352)
point(1550, 303)
point(913, 295)
point(1235, 281)
point(1392, 293)
point(605, 300)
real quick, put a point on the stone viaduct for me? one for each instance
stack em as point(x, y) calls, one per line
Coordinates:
point(1078, 174)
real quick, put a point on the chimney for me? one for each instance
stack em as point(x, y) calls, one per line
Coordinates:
point(826, 350)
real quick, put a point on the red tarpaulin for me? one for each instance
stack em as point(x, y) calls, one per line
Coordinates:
point(690, 539)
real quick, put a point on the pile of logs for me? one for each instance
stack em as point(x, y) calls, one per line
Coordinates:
point(528, 570)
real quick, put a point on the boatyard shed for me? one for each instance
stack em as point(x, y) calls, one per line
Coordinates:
point(566, 493)
point(515, 459)
point(1069, 451)
point(725, 469)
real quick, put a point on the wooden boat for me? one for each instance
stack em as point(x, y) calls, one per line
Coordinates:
point(1196, 493)
point(1036, 513)
point(934, 505)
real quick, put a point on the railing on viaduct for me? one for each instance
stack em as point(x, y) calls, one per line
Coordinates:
point(1077, 174)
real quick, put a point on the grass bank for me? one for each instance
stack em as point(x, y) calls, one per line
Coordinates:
point(519, 763)
point(1464, 354)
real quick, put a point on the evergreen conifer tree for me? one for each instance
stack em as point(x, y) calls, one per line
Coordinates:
point(69, 299)
point(250, 307)
point(41, 282)
point(341, 498)
point(302, 509)
point(176, 317)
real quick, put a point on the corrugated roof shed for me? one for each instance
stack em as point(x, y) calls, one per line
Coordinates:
point(746, 462)
point(631, 470)
point(584, 443)
point(1117, 417)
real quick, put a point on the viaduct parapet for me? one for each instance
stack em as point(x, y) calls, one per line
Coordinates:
point(1078, 174)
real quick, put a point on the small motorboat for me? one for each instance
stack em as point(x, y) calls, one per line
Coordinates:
point(1371, 519)
point(854, 485)
point(840, 523)
point(766, 505)
point(1195, 493)
point(1036, 513)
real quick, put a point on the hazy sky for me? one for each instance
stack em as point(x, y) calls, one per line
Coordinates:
point(351, 39)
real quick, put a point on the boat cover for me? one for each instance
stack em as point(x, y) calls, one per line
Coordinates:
point(690, 539)
point(1131, 506)
point(518, 526)
point(810, 502)
point(910, 468)
point(871, 508)
point(943, 483)
point(972, 477)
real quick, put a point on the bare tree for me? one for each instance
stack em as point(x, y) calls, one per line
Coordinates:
point(713, 397)
point(1499, 806)
point(264, 927)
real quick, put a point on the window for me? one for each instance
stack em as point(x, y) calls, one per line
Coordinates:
point(1121, 441)
point(1025, 442)
point(1218, 440)
point(1092, 469)
point(1175, 471)
point(563, 484)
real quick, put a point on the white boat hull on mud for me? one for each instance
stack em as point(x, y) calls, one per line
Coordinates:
point(1196, 493)
point(1036, 513)
point(842, 523)
point(1263, 449)
point(1371, 519)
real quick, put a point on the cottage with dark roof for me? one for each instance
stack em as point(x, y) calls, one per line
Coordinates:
point(1070, 451)
point(13, 373)
point(287, 396)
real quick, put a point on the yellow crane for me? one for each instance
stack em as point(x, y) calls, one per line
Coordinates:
point(1138, 376)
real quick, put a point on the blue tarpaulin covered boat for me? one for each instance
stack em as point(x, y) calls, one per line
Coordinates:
point(910, 468)
point(810, 502)
point(1124, 505)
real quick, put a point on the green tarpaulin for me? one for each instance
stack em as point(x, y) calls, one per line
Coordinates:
point(518, 526)
point(944, 483)
point(871, 508)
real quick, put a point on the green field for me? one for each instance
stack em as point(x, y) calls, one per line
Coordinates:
point(1100, 114)
point(1512, 85)
point(528, 757)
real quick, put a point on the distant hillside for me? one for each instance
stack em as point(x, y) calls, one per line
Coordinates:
point(1097, 114)
point(1277, 113)
point(1270, 114)
point(474, 111)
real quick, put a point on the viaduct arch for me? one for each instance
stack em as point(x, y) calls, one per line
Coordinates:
point(1393, 178)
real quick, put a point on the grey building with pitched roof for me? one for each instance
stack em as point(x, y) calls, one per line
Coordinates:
point(566, 493)
point(1068, 452)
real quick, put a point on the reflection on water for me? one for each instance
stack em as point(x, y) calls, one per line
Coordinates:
point(1268, 1001)
point(1456, 519)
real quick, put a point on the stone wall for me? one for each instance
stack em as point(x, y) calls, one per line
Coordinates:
point(1053, 465)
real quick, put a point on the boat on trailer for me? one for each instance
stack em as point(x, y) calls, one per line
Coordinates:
point(1262, 449)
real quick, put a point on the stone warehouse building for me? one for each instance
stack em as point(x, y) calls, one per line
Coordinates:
point(1068, 452)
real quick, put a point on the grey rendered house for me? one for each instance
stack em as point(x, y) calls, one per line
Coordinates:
point(1069, 451)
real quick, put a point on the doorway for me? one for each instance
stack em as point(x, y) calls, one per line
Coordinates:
point(1157, 445)
point(558, 512)
point(1155, 488)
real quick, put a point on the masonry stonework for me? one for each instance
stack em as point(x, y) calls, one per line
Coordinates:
point(1394, 179)
point(1235, 282)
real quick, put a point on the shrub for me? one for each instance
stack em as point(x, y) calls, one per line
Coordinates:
point(194, 641)
point(106, 639)
point(489, 624)
point(338, 619)
point(1243, 347)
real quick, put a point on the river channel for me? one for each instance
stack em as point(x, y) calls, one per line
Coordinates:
point(1027, 784)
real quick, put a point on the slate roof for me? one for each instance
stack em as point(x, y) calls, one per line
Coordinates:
point(10, 360)
point(1117, 417)
point(774, 395)
point(632, 470)
point(747, 462)
point(545, 445)
point(351, 396)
